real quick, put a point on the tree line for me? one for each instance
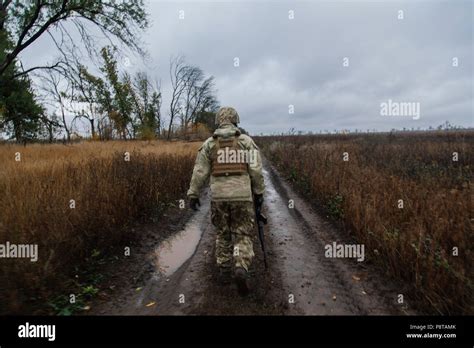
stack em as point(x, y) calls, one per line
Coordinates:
point(100, 99)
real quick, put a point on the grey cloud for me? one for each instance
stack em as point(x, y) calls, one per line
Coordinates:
point(299, 61)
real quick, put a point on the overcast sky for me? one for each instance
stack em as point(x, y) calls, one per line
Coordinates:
point(299, 61)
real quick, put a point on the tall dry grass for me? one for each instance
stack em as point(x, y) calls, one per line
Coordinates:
point(414, 243)
point(109, 193)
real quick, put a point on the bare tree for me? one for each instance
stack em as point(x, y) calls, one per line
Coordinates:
point(194, 75)
point(178, 76)
point(203, 98)
point(192, 93)
point(61, 96)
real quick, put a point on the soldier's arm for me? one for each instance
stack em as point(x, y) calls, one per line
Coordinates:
point(202, 169)
point(256, 170)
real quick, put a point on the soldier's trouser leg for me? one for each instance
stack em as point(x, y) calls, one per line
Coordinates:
point(220, 218)
point(242, 227)
point(233, 220)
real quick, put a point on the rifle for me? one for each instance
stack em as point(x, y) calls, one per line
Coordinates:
point(261, 220)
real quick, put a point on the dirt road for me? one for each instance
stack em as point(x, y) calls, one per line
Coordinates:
point(181, 276)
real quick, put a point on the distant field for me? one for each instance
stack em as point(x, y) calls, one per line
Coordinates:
point(407, 197)
point(108, 193)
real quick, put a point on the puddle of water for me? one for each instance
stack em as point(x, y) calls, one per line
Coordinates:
point(174, 251)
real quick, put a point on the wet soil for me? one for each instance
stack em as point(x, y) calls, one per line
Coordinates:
point(177, 275)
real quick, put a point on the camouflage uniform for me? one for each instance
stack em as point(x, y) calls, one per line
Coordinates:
point(232, 208)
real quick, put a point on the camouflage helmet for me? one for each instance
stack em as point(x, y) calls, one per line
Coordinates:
point(227, 115)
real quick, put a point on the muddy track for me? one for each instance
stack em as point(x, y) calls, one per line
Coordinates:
point(180, 276)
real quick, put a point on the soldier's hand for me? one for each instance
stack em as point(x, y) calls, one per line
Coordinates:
point(258, 200)
point(194, 203)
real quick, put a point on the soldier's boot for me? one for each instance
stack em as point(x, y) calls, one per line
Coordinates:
point(225, 275)
point(241, 280)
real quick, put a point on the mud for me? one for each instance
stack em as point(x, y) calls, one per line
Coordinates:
point(179, 275)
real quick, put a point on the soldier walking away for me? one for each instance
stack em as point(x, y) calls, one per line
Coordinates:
point(233, 163)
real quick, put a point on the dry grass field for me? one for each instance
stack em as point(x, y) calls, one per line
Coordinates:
point(75, 200)
point(407, 197)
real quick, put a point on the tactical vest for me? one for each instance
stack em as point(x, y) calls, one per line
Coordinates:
point(226, 168)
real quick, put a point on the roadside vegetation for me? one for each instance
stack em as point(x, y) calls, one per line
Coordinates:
point(406, 196)
point(77, 203)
